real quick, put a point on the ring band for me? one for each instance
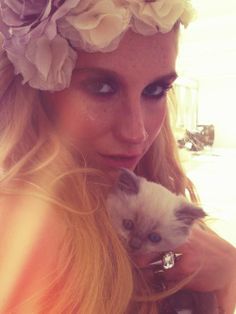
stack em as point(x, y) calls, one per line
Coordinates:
point(167, 260)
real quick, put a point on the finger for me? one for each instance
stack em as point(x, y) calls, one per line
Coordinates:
point(185, 266)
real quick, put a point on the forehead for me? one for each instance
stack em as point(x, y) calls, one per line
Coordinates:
point(137, 56)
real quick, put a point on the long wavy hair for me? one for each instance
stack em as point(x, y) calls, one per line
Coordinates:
point(102, 278)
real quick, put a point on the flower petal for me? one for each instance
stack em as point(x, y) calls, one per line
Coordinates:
point(39, 53)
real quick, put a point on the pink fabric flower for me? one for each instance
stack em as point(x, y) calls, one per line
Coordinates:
point(41, 55)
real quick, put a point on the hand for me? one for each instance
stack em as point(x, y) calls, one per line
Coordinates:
point(214, 257)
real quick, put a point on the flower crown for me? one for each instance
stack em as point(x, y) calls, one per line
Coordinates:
point(42, 37)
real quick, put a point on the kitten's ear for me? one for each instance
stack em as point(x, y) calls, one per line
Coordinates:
point(189, 213)
point(128, 182)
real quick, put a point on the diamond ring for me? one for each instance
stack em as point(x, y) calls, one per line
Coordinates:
point(167, 260)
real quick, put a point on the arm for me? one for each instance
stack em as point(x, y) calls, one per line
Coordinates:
point(217, 261)
point(31, 233)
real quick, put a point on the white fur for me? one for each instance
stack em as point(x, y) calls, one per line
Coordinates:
point(153, 208)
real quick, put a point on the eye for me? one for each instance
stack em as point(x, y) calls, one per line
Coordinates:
point(155, 90)
point(128, 224)
point(154, 237)
point(99, 87)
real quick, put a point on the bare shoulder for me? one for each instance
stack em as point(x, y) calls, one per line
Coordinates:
point(31, 220)
point(31, 234)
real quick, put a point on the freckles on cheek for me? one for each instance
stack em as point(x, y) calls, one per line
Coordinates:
point(83, 124)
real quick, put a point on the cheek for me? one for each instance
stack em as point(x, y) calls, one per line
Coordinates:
point(76, 120)
point(156, 120)
point(83, 125)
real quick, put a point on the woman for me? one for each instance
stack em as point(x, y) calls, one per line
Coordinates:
point(93, 99)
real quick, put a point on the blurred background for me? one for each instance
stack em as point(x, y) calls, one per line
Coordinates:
point(206, 120)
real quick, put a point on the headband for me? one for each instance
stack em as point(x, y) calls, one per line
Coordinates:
point(42, 37)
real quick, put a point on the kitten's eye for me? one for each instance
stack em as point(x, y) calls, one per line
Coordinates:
point(154, 237)
point(128, 224)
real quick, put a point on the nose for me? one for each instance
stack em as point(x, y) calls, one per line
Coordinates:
point(135, 243)
point(131, 126)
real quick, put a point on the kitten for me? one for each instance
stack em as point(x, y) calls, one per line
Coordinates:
point(148, 217)
point(151, 219)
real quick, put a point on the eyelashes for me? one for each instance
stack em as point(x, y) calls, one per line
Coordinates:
point(156, 90)
point(109, 87)
point(99, 87)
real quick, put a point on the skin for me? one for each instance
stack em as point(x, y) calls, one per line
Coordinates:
point(114, 124)
point(216, 261)
point(212, 259)
point(111, 108)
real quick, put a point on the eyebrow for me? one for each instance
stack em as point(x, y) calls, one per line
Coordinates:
point(169, 77)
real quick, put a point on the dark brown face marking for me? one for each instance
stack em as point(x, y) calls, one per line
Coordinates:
point(189, 213)
point(128, 182)
point(149, 1)
point(135, 243)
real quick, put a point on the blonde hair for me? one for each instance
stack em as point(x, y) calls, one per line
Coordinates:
point(102, 278)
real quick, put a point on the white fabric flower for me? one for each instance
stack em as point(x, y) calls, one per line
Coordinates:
point(95, 25)
point(160, 15)
point(33, 45)
point(188, 15)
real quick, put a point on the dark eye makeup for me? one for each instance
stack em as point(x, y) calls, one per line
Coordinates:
point(156, 90)
point(101, 83)
point(105, 87)
point(99, 87)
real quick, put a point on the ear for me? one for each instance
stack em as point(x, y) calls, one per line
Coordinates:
point(128, 182)
point(189, 213)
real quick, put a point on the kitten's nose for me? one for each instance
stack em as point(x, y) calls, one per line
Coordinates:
point(135, 243)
